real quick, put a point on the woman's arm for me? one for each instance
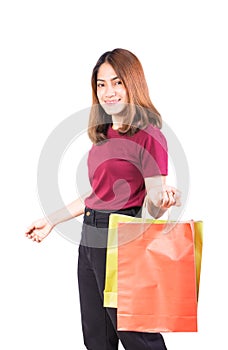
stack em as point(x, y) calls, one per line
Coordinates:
point(71, 211)
point(160, 196)
point(41, 228)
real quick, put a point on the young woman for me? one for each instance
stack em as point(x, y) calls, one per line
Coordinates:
point(128, 160)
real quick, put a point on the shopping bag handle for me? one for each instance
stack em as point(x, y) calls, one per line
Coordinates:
point(169, 224)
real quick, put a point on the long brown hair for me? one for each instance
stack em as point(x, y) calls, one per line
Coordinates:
point(140, 111)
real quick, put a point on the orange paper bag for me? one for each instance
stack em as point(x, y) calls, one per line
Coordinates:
point(156, 278)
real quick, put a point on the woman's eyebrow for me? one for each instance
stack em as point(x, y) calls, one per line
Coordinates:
point(104, 79)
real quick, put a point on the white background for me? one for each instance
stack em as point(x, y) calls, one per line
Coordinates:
point(48, 50)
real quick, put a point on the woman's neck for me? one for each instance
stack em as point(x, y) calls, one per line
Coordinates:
point(117, 122)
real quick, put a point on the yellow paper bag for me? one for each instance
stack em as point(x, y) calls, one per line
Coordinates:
point(198, 241)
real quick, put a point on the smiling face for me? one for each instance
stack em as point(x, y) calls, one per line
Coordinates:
point(111, 92)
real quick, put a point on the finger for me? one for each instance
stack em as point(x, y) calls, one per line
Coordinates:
point(172, 199)
point(178, 199)
point(37, 225)
point(30, 228)
point(174, 190)
point(32, 234)
point(168, 199)
point(38, 239)
point(40, 236)
point(177, 194)
point(178, 203)
point(165, 199)
point(27, 233)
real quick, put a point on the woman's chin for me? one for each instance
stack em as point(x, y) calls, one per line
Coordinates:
point(114, 109)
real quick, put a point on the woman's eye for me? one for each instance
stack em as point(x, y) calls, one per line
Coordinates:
point(119, 82)
point(100, 85)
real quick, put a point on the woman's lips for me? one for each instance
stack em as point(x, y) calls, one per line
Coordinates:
point(111, 102)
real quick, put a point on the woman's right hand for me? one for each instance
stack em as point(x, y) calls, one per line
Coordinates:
point(39, 230)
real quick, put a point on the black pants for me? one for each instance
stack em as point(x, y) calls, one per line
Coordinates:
point(99, 323)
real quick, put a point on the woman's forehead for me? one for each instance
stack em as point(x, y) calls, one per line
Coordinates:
point(106, 72)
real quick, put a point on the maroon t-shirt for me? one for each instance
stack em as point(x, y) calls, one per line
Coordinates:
point(118, 166)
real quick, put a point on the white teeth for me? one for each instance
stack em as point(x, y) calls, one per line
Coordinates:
point(111, 102)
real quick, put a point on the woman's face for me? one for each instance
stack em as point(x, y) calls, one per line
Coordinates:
point(111, 92)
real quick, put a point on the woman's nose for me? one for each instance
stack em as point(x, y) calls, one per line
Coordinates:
point(110, 91)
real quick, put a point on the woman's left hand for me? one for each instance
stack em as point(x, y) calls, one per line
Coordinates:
point(165, 196)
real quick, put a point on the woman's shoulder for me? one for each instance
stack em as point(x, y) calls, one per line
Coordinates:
point(151, 132)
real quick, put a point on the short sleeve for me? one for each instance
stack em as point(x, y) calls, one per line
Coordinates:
point(154, 154)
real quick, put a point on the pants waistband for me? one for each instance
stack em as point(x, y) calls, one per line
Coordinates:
point(93, 217)
point(89, 211)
